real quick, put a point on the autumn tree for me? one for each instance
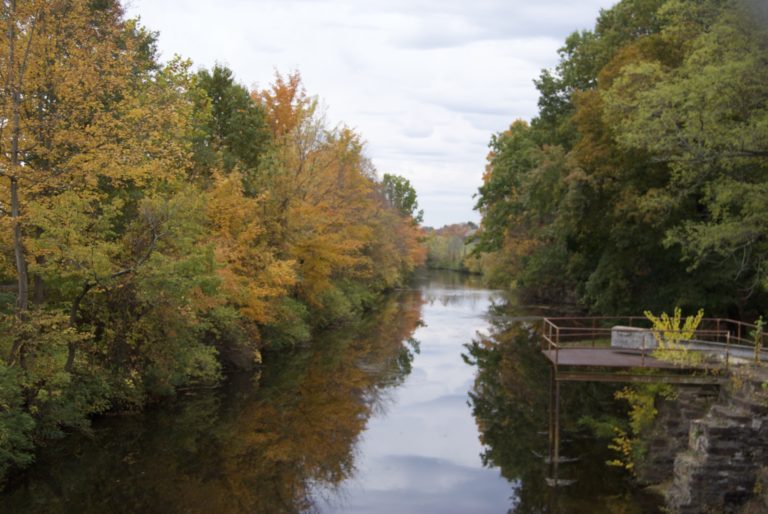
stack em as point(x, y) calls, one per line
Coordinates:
point(96, 152)
point(322, 203)
point(161, 225)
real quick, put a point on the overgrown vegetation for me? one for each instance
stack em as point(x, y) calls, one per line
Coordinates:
point(629, 442)
point(157, 225)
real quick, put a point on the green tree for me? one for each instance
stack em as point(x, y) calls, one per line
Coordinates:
point(707, 119)
point(402, 196)
point(638, 184)
point(235, 134)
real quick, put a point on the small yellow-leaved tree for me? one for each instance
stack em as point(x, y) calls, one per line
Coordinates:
point(670, 335)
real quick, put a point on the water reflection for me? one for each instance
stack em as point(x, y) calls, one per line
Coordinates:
point(510, 402)
point(370, 419)
point(272, 449)
point(445, 279)
point(423, 455)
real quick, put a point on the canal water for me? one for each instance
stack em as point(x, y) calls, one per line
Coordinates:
point(436, 403)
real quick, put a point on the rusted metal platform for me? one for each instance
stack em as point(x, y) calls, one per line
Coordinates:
point(621, 365)
point(579, 349)
point(583, 349)
point(606, 358)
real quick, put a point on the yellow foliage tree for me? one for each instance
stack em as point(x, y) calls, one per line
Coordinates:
point(253, 276)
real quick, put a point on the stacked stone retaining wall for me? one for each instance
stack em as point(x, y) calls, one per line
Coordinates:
point(725, 450)
point(669, 435)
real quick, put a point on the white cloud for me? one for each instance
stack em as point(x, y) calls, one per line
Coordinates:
point(426, 82)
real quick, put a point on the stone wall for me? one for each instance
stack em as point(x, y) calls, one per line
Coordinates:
point(758, 504)
point(726, 450)
point(669, 434)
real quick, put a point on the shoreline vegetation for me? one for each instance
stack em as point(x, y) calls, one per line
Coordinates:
point(160, 226)
point(640, 184)
point(261, 442)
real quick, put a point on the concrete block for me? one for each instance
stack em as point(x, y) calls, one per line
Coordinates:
point(632, 337)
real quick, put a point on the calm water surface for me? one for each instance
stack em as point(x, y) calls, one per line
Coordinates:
point(384, 416)
point(422, 453)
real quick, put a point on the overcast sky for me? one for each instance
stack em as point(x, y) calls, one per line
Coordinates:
point(426, 82)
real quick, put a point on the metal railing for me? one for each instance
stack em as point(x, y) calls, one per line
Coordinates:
point(715, 336)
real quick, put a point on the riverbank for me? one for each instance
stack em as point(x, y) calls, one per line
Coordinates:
point(372, 415)
point(249, 445)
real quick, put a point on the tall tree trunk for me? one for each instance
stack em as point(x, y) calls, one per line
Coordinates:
point(15, 80)
point(22, 300)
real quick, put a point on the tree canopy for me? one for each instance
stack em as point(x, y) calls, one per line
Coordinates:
point(638, 185)
point(159, 225)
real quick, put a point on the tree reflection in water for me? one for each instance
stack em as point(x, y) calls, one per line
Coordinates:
point(244, 448)
point(510, 401)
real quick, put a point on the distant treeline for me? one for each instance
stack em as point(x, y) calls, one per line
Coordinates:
point(642, 182)
point(160, 224)
point(450, 248)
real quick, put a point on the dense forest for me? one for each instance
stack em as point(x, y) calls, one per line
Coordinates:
point(642, 182)
point(161, 224)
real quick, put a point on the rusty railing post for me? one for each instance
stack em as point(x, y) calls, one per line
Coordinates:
point(551, 418)
point(549, 334)
point(557, 429)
